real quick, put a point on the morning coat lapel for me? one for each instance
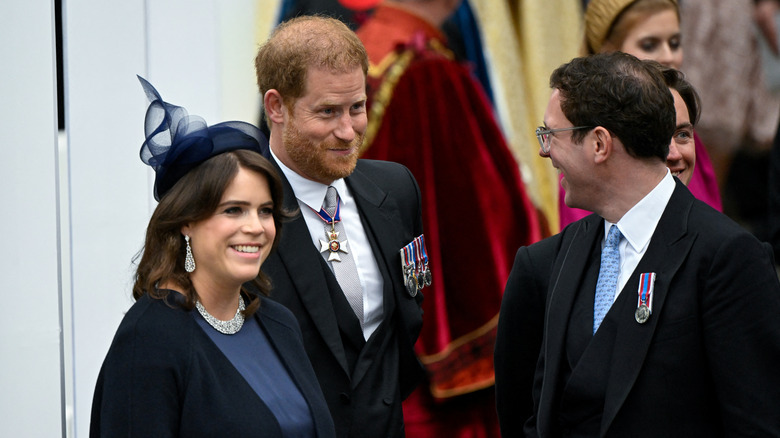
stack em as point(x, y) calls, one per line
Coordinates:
point(667, 250)
point(568, 272)
point(378, 218)
point(299, 256)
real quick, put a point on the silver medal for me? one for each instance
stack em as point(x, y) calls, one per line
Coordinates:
point(642, 314)
point(411, 285)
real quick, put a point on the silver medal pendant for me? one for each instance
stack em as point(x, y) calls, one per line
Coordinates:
point(410, 281)
point(427, 276)
point(411, 285)
point(642, 314)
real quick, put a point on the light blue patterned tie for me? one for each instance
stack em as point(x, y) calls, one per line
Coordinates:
point(608, 276)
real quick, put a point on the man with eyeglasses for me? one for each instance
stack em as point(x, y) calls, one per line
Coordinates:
point(659, 314)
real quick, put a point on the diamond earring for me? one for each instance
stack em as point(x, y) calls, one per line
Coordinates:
point(189, 260)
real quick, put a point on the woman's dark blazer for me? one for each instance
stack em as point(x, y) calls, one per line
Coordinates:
point(164, 377)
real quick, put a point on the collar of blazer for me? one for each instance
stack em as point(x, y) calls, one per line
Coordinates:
point(668, 248)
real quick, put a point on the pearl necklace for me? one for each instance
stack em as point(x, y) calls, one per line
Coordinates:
point(229, 327)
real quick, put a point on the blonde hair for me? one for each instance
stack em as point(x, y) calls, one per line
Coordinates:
point(607, 22)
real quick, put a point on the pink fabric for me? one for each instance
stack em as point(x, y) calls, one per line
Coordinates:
point(703, 186)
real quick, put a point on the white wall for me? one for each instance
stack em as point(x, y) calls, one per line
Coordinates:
point(30, 354)
point(104, 48)
point(65, 292)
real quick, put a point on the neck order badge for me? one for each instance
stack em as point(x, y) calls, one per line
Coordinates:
point(331, 214)
point(345, 269)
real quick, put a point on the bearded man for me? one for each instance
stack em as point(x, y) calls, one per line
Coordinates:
point(351, 264)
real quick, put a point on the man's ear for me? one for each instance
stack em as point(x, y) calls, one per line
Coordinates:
point(274, 106)
point(603, 144)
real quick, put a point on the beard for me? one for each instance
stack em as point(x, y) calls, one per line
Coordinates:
point(316, 161)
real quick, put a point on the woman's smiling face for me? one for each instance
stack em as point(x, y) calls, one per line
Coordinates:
point(230, 246)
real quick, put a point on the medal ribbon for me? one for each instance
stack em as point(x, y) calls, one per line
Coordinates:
point(408, 258)
point(646, 286)
point(418, 255)
point(328, 218)
point(414, 261)
point(424, 253)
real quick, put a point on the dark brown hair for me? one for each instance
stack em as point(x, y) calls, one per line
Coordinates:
point(193, 198)
point(624, 95)
point(676, 80)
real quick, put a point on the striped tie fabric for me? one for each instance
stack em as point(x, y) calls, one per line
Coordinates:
point(345, 269)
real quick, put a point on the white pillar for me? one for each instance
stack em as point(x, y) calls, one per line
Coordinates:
point(31, 377)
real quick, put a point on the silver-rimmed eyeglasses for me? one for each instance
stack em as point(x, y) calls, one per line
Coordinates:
point(543, 135)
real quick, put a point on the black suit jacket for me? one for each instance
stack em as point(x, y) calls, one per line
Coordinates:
point(704, 364)
point(164, 377)
point(364, 382)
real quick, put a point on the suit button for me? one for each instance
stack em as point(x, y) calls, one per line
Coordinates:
point(344, 397)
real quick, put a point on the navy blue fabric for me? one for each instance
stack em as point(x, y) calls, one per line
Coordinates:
point(176, 141)
point(164, 377)
point(254, 357)
point(472, 45)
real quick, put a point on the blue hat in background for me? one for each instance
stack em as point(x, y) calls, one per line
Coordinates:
point(176, 142)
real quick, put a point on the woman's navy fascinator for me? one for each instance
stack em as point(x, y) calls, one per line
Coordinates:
point(176, 142)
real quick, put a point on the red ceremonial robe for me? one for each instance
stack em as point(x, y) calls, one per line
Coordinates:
point(427, 112)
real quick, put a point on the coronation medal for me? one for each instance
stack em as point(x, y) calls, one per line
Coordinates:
point(642, 314)
point(645, 297)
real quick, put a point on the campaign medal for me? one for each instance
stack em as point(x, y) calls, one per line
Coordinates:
point(425, 271)
point(414, 263)
point(420, 279)
point(408, 269)
point(428, 276)
point(419, 261)
point(411, 284)
point(333, 245)
point(644, 306)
